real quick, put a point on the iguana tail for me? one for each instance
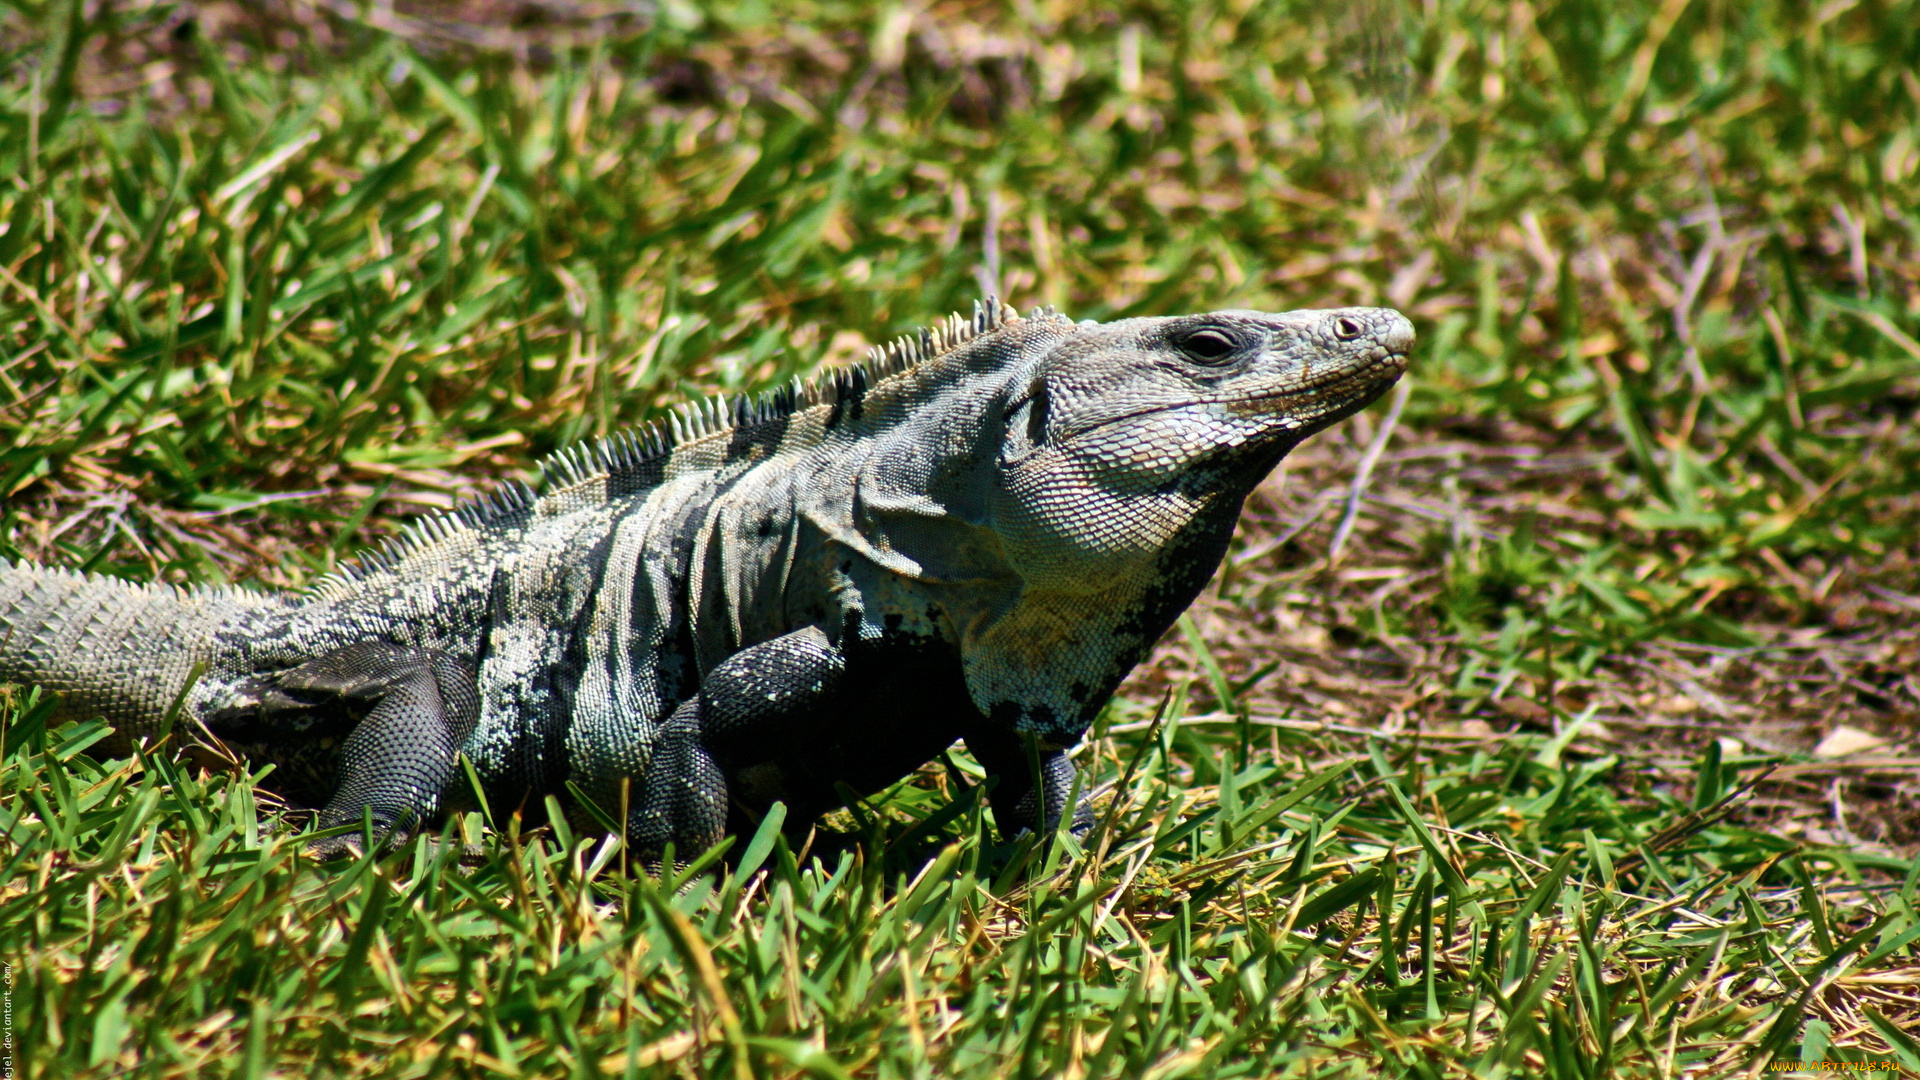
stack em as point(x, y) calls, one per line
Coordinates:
point(110, 648)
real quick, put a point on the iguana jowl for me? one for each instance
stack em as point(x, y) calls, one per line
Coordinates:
point(975, 535)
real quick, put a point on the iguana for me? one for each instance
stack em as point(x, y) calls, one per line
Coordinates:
point(974, 535)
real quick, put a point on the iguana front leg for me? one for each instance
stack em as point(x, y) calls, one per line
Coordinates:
point(1033, 783)
point(759, 696)
point(776, 721)
point(405, 713)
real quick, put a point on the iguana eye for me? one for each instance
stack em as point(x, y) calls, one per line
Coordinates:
point(1209, 346)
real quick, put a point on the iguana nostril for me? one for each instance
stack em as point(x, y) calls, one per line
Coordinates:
point(1346, 329)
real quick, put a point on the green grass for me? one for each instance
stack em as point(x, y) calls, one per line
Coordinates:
point(1274, 921)
point(273, 281)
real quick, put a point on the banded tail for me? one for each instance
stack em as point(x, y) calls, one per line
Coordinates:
point(110, 648)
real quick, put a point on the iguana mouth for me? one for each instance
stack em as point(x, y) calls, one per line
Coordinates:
point(1375, 377)
point(1393, 361)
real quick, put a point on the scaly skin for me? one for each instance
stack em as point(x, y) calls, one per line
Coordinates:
point(975, 536)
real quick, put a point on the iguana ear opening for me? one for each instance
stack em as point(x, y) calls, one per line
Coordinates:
point(1026, 423)
point(1037, 408)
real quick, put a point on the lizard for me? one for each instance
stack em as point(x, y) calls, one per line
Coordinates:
point(973, 535)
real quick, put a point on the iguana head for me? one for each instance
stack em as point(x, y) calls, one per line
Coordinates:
point(1066, 489)
point(1127, 434)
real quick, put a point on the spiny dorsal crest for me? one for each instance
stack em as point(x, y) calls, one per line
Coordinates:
point(158, 591)
point(635, 448)
point(597, 459)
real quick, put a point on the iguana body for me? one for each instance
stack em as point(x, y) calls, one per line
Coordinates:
point(975, 536)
